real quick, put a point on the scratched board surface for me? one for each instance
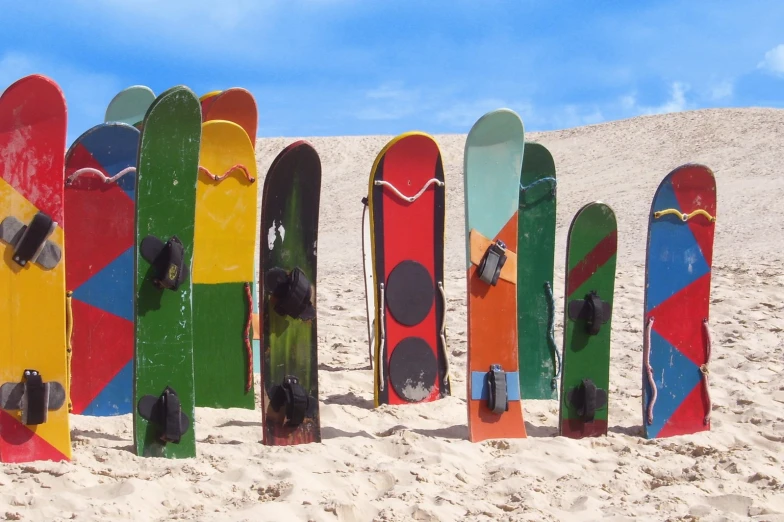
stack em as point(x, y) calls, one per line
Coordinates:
point(32, 298)
point(166, 195)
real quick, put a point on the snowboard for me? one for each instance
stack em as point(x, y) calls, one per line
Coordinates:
point(591, 253)
point(677, 344)
point(100, 180)
point(166, 194)
point(288, 297)
point(235, 104)
point(367, 272)
point(492, 166)
point(33, 304)
point(537, 352)
point(406, 202)
point(223, 267)
point(130, 105)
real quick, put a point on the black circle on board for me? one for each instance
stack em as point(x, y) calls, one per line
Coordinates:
point(413, 369)
point(409, 293)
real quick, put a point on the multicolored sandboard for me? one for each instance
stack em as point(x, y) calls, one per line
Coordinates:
point(367, 270)
point(677, 344)
point(33, 313)
point(492, 166)
point(538, 355)
point(591, 253)
point(288, 275)
point(130, 105)
point(223, 267)
point(166, 196)
point(406, 201)
point(100, 170)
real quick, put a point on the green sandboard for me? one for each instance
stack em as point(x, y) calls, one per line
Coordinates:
point(166, 195)
point(536, 349)
point(289, 235)
point(590, 261)
point(130, 105)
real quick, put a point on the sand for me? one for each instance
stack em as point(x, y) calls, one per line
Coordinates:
point(414, 462)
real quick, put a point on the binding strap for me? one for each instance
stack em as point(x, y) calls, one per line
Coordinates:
point(35, 401)
point(498, 399)
point(166, 412)
point(168, 259)
point(33, 239)
point(291, 395)
point(292, 293)
point(587, 398)
point(592, 310)
point(489, 269)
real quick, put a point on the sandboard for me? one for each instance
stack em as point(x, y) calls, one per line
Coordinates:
point(492, 167)
point(367, 271)
point(537, 352)
point(33, 313)
point(591, 254)
point(223, 267)
point(406, 202)
point(166, 194)
point(676, 397)
point(130, 105)
point(100, 180)
point(235, 104)
point(288, 297)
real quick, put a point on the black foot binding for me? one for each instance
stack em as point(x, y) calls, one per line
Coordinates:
point(498, 400)
point(489, 269)
point(292, 293)
point(291, 395)
point(587, 398)
point(30, 242)
point(33, 397)
point(166, 412)
point(592, 310)
point(167, 259)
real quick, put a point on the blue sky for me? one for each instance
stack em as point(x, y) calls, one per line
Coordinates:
point(341, 67)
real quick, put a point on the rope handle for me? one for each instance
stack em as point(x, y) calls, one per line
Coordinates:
point(246, 339)
point(442, 333)
point(525, 188)
point(704, 370)
point(646, 351)
point(69, 346)
point(413, 198)
point(88, 170)
point(551, 334)
point(383, 341)
point(684, 217)
point(226, 174)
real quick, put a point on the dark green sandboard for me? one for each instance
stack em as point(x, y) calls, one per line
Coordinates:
point(590, 263)
point(536, 349)
point(166, 195)
point(289, 234)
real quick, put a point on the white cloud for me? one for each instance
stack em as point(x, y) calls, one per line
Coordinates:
point(722, 90)
point(462, 115)
point(774, 60)
point(677, 102)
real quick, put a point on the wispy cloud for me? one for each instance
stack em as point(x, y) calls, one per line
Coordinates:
point(774, 60)
point(675, 103)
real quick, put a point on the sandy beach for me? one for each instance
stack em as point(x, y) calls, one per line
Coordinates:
point(415, 462)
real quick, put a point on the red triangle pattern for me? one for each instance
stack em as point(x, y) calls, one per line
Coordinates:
point(679, 319)
point(18, 443)
point(90, 203)
point(695, 188)
point(111, 342)
point(689, 416)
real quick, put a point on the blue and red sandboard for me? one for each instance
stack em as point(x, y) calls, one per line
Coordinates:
point(100, 170)
point(675, 398)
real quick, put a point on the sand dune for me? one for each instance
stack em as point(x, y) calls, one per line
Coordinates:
point(414, 462)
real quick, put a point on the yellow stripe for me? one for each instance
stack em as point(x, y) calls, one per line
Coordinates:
point(225, 223)
point(209, 95)
point(32, 320)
